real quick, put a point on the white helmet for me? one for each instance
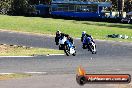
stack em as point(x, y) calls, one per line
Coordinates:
point(58, 31)
point(84, 32)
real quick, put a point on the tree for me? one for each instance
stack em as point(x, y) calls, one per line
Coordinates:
point(19, 7)
point(5, 6)
point(16, 7)
point(114, 5)
point(36, 2)
point(128, 5)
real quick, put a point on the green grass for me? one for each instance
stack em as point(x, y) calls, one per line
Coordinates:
point(19, 51)
point(99, 30)
point(13, 76)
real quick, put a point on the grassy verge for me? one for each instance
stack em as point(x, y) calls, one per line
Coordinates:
point(6, 50)
point(13, 76)
point(99, 30)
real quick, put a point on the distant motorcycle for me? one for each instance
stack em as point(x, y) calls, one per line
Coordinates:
point(90, 45)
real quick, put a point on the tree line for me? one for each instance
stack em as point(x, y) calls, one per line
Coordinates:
point(24, 7)
point(16, 7)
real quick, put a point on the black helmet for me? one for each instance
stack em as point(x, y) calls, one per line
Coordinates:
point(62, 34)
point(66, 35)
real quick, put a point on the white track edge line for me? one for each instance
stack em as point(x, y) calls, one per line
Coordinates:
point(15, 56)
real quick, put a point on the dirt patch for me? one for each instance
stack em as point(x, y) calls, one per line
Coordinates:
point(8, 48)
point(13, 76)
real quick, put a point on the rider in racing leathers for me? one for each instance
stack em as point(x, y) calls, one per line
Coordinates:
point(84, 39)
point(69, 38)
point(83, 34)
point(61, 35)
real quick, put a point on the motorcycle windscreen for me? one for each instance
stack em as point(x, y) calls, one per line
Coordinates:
point(72, 50)
point(62, 40)
point(89, 40)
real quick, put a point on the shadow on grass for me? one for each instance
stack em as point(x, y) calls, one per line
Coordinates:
point(112, 22)
point(110, 25)
point(121, 26)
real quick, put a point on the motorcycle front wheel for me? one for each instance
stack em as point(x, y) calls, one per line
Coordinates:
point(74, 54)
point(66, 50)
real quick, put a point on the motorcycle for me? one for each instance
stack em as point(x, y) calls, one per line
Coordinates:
point(69, 48)
point(90, 45)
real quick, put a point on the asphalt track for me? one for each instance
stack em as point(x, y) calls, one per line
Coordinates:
point(112, 57)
